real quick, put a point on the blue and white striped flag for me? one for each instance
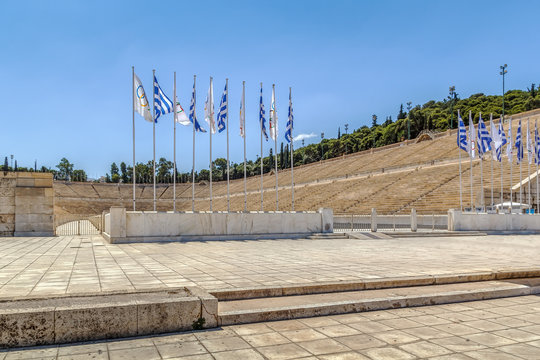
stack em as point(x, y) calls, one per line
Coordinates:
point(223, 109)
point(290, 125)
point(192, 115)
point(462, 134)
point(162, 104)
point(484, 139)
point(536, 144)
point(261, 117)
point(519, 144)
point(502, 137)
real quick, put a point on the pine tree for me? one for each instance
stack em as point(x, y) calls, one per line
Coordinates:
point(281, 157)
point(339, 132)
point(6, 164)
point(16, 167)
point(401, 114)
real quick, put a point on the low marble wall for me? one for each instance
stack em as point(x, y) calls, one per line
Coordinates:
point(122, 225)
point(459, 221)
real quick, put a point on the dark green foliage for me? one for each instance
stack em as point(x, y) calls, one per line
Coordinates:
point(199, 324)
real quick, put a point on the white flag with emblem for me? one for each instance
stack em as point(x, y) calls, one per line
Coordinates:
point(140, 103)
point(273, 121)
point(180, 115)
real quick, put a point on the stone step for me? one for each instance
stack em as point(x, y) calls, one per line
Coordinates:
point(407, 234)
point(65, 319)
point(370, 284)
point(301, 306)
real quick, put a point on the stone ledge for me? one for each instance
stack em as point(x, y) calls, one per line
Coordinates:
point(57, 320)
point(371, 284)
point(258, 310)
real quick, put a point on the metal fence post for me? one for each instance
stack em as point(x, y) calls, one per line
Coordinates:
point(352, 222)
point(79, 227)
point(414, 224)
point(432, 222)
point(394, 219)
point(373, 220)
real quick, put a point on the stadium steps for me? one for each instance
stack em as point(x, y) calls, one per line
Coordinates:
point(430, 191)
point(378, 191)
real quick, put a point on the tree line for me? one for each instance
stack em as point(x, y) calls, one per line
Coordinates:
point(433, 115)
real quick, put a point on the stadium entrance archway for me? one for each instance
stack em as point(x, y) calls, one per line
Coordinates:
point(75, 224)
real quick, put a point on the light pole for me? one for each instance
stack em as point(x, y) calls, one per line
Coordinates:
point(409, 120)
point(452, 91)
point(322, 153)
point(502, 72)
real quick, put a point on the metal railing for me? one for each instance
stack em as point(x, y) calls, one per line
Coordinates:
point(76, 224)
point(393, 222)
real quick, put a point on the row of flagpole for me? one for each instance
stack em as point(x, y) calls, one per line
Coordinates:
point(494, 142)
point(163, 105)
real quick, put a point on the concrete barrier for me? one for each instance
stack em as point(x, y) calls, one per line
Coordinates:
point(66, 319)
point(459, 221)
point(141, 226)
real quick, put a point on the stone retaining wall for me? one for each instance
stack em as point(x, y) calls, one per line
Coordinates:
point(26, 204)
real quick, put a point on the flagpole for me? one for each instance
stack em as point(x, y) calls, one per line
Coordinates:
point(211, 113)
point(490, 122)
point(511, 163)
point(262, 165)
point(501, 158)
point(154, 140)
point(292, 160)
point(537, 162)
point(174, 146)
point(528, 164)
point(482, 200)
point(244, 129)
point(134, 180)
point(275, 144)
point(459, 152)
point(470, 156)
point(193, 167)
point(227, 126)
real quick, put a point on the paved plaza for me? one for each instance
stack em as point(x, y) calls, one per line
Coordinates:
point(75, 264)
point(484, 330)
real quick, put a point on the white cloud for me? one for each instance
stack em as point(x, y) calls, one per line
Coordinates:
point(301, 137)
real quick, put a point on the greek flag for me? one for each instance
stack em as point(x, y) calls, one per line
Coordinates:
point(462, 134)
point(536, 144)
point(519, 144)
point(192, 115)
point(484, 139)
point(502, 138)
point(223, 109)
point(162, 104)
point(288, 130)
point(261, 117)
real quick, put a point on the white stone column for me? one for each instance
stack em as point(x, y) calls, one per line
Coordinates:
point(373, 220)
point(414, 224)
point(118, 222)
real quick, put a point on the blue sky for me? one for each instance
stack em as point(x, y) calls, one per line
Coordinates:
point(65, 68)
